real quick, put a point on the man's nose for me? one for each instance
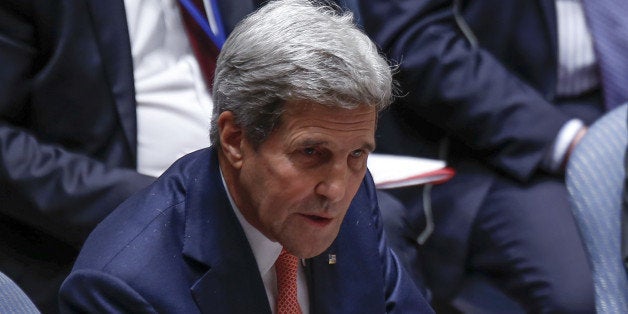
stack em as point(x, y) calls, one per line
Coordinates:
point(333, 183)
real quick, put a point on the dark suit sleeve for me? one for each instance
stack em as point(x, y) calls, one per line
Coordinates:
point(88, 291)
point(43, 184)
point(398, 285)
point(401, 293)
point(461, 88)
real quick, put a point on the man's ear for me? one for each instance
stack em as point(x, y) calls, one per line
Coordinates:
point(231, 138)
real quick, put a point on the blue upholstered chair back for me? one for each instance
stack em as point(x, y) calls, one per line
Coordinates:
point(13, 299)
point(595, 180)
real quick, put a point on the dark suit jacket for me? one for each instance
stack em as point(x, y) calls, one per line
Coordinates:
point(177, 247)
point(482, 75)
point(67, 131)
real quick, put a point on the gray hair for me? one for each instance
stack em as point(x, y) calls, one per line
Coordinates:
point(296, 51)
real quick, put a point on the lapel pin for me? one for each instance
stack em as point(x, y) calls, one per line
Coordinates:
point(332, 259)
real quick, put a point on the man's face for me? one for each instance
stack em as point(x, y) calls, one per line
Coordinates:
point(296, 188)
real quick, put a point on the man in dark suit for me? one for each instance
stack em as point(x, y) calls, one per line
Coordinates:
point(502, 90)
point(294, 121)
point(70, 86)
point(78, 128)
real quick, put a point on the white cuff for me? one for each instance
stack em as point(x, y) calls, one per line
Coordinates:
point(556, 155)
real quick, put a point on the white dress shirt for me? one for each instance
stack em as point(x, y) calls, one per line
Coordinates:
point(173, 105)
point(576, 57)
point(576, 71)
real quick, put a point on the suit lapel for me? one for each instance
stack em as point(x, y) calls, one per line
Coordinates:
point(334, 288)
point(345, 285)
point(549, 11)
point(229, 279)
point(110, 27)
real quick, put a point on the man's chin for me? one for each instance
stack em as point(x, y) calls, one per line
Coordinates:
point(309, 250)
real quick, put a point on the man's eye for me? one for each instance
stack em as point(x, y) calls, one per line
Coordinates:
point(357, 153)
point(309, 151)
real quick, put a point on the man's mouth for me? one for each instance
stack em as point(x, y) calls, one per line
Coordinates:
point(318, 220)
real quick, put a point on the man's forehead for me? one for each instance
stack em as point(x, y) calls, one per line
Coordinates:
point(332, 120)
point(308, 108)
point(330, 131)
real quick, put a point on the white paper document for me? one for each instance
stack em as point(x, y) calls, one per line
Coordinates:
point(393, 171)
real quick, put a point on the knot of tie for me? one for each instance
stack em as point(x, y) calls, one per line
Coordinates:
point(286, 267)
point(205, 50)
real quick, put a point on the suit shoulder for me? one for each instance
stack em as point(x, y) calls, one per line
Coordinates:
point(153, 212)
point(147, 226)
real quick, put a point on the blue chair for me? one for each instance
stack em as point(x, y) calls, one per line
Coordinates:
point(595, 181)
point(13, 299)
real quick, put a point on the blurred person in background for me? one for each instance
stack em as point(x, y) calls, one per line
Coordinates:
point(503, 90)
point(97, 99)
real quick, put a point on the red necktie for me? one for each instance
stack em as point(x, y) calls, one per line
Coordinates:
point(286, 267)
point(204, 49)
